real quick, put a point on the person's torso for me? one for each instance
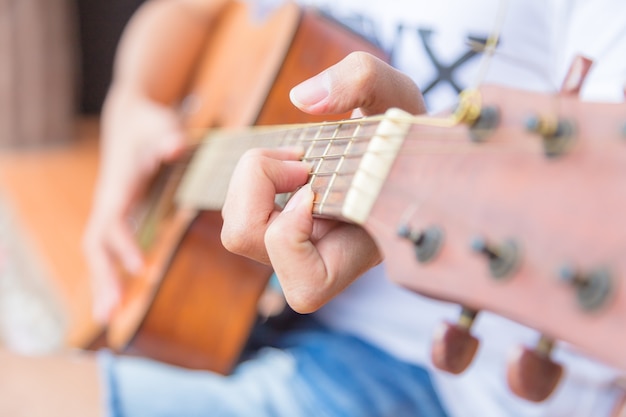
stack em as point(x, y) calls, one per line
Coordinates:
point(431, 41)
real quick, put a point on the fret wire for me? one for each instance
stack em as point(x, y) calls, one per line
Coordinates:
point(338, 166)
point(413, 145)
point(326, 149)
point(412, 138)
point(422, 136)
point(331, 141)
point(310, 149)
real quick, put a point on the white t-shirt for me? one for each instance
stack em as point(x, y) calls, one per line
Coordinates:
point(428, 41)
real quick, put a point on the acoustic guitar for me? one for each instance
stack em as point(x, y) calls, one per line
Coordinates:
point(522, 217)
point(195, 303)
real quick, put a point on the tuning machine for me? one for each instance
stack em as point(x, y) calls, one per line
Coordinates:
point(482, 120)
point(557, 134)
point(486, 122)
point(503, 258)
point(532, 374)
point(593, 288)
point(426, 242)
point(454, 347)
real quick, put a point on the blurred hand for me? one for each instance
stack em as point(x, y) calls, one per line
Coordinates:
point(137, 135)
point(314, 259)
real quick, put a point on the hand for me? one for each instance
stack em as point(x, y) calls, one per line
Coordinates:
point(137, 135)
point(314, 259)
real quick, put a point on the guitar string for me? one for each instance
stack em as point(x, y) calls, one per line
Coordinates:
point(422, 136)
point(489, 50)
point(226, 159)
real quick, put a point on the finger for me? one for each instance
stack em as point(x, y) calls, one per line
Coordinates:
point(331, 262)
point(107, 245)
point(249, 206)
point(123, 246)
point(291, 251)
point(105, 287)
point(169, 135)
point(358, 81)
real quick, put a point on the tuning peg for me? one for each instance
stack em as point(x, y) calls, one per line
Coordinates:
point(557, 134)
point(426, 242)
point(454, 347)
point(503, 258)
point(487, 121)
point(481, 119)
point(532, 374)
point(593, 288)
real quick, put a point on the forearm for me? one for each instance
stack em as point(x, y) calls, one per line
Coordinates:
point(160, 46)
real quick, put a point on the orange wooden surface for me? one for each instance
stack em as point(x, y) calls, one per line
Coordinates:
point(49, 190)
point(561, 211)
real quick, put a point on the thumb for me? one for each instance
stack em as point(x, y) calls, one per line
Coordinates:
point(171, 139)
point(293, 227)
point(358, 81)
point(290, 231)
point(291, 251)
point(172, 145)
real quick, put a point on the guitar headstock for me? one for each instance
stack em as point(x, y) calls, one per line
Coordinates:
point(528, 199)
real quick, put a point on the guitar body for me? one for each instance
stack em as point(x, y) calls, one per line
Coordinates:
point(195, 303)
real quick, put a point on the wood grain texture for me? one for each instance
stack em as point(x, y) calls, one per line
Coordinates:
point(195, 303)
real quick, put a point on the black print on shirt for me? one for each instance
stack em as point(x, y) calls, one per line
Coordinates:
point(367, 28)
point(445, 72)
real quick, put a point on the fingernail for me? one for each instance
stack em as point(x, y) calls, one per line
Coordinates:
point(311, 91)
point(295, 200)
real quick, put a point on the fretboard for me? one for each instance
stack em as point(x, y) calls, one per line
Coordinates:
point(350, 161)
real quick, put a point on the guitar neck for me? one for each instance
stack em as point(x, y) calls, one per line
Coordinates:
point(350, 161)
point(543, 192)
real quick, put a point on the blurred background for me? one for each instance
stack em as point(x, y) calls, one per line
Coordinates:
point(55, 67)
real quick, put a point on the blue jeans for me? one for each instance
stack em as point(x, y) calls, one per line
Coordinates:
point(313, 372)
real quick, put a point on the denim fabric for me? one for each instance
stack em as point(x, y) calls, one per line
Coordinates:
point(316, 372)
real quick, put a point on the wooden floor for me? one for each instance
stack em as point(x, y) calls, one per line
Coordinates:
point(49, 192)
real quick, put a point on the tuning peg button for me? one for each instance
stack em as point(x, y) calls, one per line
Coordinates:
point(503, 258)
point(487, 121)
point(426, 242)
point(557, 134)
point(454, 347)
point(482, 120)
point(593, 288)
point(532, 374)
